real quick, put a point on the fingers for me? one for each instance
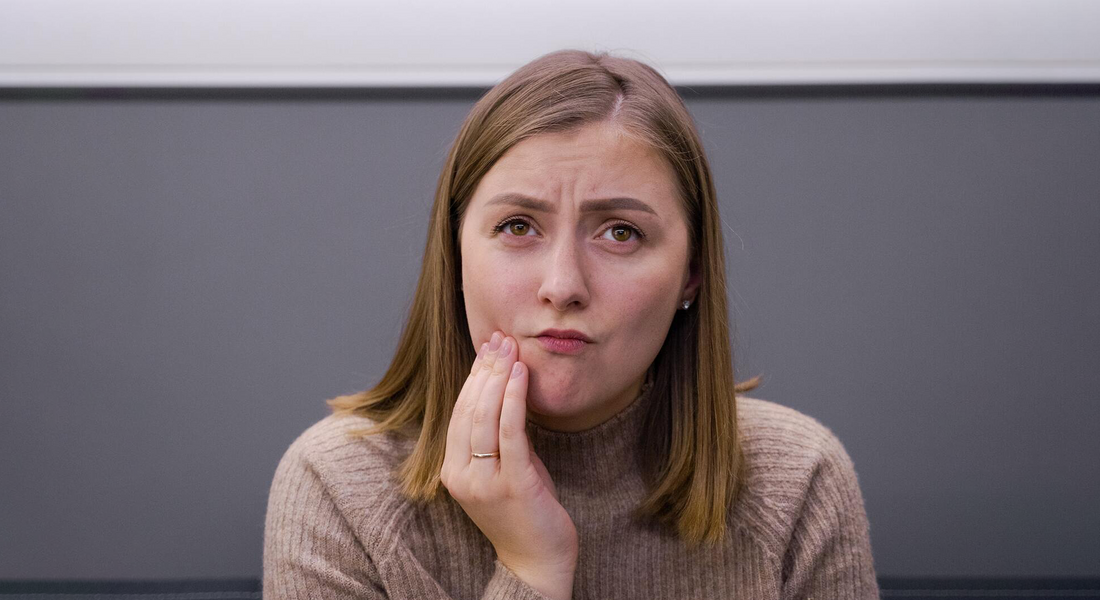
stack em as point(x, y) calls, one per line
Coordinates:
point(458, 431)
point(486, 416)
point(515, 447)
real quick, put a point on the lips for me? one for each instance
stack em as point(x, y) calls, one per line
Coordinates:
point(566, 334)
point(564, 341)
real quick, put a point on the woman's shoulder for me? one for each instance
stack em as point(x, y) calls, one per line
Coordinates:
point(340, 442)
point(355, 470)
point(789, 457)
point(342, 435)
point(766, 426)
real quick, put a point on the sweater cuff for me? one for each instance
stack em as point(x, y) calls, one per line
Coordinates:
point(506, 585)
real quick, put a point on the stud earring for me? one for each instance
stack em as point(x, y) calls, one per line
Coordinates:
point(686, 304)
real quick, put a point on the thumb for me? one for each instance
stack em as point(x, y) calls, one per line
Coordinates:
point(541, 468)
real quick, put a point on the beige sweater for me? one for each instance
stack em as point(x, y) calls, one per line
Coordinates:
point(337, 527)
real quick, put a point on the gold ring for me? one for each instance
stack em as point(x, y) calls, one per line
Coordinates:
point(486, 454)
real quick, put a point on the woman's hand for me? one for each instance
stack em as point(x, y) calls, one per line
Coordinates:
point(510, 498)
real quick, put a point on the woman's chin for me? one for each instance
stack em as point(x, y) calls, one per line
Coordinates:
point(539, 404)
point(552, 400)
point(559, 412)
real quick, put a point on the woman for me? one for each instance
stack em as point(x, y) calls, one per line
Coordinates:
point(560, 419)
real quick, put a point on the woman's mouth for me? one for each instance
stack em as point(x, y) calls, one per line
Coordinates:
point(559, 345)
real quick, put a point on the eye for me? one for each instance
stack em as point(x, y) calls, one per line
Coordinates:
point(621, 232)
point(514, 226)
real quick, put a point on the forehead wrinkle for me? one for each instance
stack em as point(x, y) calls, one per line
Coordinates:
point(587, 206)
point(574, 165)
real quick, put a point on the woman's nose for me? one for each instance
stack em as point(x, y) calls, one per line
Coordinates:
point(564, 280)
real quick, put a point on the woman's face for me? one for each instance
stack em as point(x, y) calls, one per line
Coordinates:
point(584, 231)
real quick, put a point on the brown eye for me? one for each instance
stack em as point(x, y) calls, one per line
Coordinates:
point(621, 234)
point(517, 228)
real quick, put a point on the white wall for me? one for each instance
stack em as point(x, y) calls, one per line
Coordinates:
point(476, 42)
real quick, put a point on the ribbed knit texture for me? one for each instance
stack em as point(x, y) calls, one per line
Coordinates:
point(337, 526)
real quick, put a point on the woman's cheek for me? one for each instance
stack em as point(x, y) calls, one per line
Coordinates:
point(654, 307)
point(501, 306)
point(512, 287)
point(648, 290)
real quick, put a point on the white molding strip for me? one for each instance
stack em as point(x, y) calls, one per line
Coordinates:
point(346, 43)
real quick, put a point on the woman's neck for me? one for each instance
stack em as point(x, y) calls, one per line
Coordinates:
point(596, 459)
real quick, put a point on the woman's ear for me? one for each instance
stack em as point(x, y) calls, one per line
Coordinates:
point(691, 287)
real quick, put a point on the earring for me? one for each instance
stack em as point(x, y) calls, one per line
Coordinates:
point(686, 304)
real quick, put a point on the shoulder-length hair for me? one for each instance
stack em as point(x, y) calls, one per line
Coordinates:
point(691, 448)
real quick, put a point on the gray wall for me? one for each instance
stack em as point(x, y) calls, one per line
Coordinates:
point(184, 281)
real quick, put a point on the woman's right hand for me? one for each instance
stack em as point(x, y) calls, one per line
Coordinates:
point(510, 498)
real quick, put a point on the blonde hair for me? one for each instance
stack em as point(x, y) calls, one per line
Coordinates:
point(692, 450)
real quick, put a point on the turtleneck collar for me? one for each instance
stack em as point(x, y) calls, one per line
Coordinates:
point(595, 458)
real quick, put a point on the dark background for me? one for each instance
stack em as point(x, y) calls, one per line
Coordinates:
point(186, 276)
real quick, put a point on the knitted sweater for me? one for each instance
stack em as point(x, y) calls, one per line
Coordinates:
point(337, 526)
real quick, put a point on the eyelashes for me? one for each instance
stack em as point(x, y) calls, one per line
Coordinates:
point(506, 222)
point(615, 225)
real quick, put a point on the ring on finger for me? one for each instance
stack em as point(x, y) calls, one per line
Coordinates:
point(492, 454)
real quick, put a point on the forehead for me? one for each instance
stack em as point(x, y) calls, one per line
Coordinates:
point(596, 160)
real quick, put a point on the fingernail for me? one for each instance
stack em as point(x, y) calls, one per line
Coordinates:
point(494, 342)
point(517, 369)
point(506, 347)
point(481, 352)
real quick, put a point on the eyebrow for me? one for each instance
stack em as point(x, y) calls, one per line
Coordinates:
point(598, 205)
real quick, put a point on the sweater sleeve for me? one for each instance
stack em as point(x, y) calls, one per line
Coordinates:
point(506, 585)
point(311, 551)
point(829, 555)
